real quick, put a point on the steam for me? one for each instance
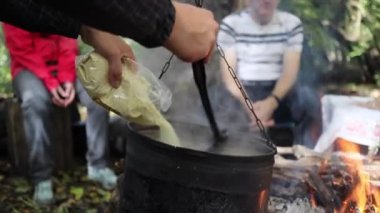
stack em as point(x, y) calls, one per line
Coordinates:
point(186, 105)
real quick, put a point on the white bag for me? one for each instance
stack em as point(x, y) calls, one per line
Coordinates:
point(343, 118)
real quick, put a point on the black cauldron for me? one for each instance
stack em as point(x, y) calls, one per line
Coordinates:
point(202, 177)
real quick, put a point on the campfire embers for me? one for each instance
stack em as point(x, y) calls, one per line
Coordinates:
point(342, 182)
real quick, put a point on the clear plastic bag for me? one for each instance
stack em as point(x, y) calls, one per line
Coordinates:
point(139, 98)
point(158, 92)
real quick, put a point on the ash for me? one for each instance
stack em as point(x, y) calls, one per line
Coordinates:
point(299, 205)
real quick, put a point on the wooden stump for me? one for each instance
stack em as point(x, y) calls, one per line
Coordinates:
point(18, 149)
point(62, 138)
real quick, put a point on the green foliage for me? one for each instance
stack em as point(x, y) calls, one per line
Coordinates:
point(345, 31)
point(77, 192)
point(5, 76)
point(315, 17)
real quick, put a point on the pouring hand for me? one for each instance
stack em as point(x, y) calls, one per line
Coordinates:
point(192, 39)
point(112, 48)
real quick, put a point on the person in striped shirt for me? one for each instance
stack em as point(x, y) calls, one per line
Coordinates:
point(263, 45)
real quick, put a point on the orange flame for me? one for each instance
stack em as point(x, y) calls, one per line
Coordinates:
point(263, 199)
point(313, 201)
point(376, 198)
point(362, 191)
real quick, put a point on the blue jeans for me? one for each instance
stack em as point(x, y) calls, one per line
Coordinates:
point(301, 107)
point(37, 107)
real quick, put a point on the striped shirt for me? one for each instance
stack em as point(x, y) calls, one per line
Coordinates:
point(260, 48)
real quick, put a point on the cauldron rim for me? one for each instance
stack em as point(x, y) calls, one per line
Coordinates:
point(199, 169)
point(183, 152)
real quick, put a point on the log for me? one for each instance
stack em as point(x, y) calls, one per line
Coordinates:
point(300, 152)
point(301, 164)
point(62, 138)
point(323, 194)
point(18, 149)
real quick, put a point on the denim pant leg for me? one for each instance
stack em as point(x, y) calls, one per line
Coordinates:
point(96, 129)
point(307, 114)
point(36, 107)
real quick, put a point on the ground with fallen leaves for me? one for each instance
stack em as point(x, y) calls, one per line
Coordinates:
point(73, 193)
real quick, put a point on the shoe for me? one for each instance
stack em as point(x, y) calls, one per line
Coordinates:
point(43, 193)
point(104, 176)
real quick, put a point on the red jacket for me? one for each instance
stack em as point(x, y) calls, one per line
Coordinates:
point(50, 57)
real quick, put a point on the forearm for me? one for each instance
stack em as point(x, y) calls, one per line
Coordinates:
point(68, 50)
point(289, 75)
point(226, 75)
point(231, 85)
point(149, 22)
point(31, 16)
point(284, 85)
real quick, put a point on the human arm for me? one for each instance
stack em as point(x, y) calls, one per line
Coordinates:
point(227, 40)
point(151, 23)
point(265, 108)
point(231, 86)
point(186, 41)
point(34, 17)
point(67, 51)
point(289, 74)
point(229, 82)
point(291, 64)
point(112, 48)
point(192, 39)
point(148, 22)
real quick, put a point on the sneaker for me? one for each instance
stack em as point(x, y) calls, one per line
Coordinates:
point(104, 176)
point(43, 193)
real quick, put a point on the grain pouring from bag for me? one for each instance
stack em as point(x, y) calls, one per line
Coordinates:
point(130, 100)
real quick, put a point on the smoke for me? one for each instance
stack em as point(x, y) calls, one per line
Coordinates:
point(186, 104)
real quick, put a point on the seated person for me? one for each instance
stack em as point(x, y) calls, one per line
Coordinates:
point(43, 75)
point(264, 47)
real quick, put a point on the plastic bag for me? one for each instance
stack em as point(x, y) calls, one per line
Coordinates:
point(158, 92)
point(138, 98)
point(344, 117)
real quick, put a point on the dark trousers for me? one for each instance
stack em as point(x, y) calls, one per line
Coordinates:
point(301, 107)
point(37, 106)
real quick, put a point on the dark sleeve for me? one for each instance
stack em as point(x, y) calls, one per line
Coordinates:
point(34, 17)
point(148, 22)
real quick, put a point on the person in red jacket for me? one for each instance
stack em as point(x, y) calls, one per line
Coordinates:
point(43, 75)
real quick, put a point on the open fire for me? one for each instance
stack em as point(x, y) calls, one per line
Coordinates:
point(364, 198)
point(344, 181)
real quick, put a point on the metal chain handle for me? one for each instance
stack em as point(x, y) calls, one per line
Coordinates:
point(247, 100)
point(166, 67)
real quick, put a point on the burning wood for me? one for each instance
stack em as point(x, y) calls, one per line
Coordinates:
point(363, 194)
point(342, 182)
